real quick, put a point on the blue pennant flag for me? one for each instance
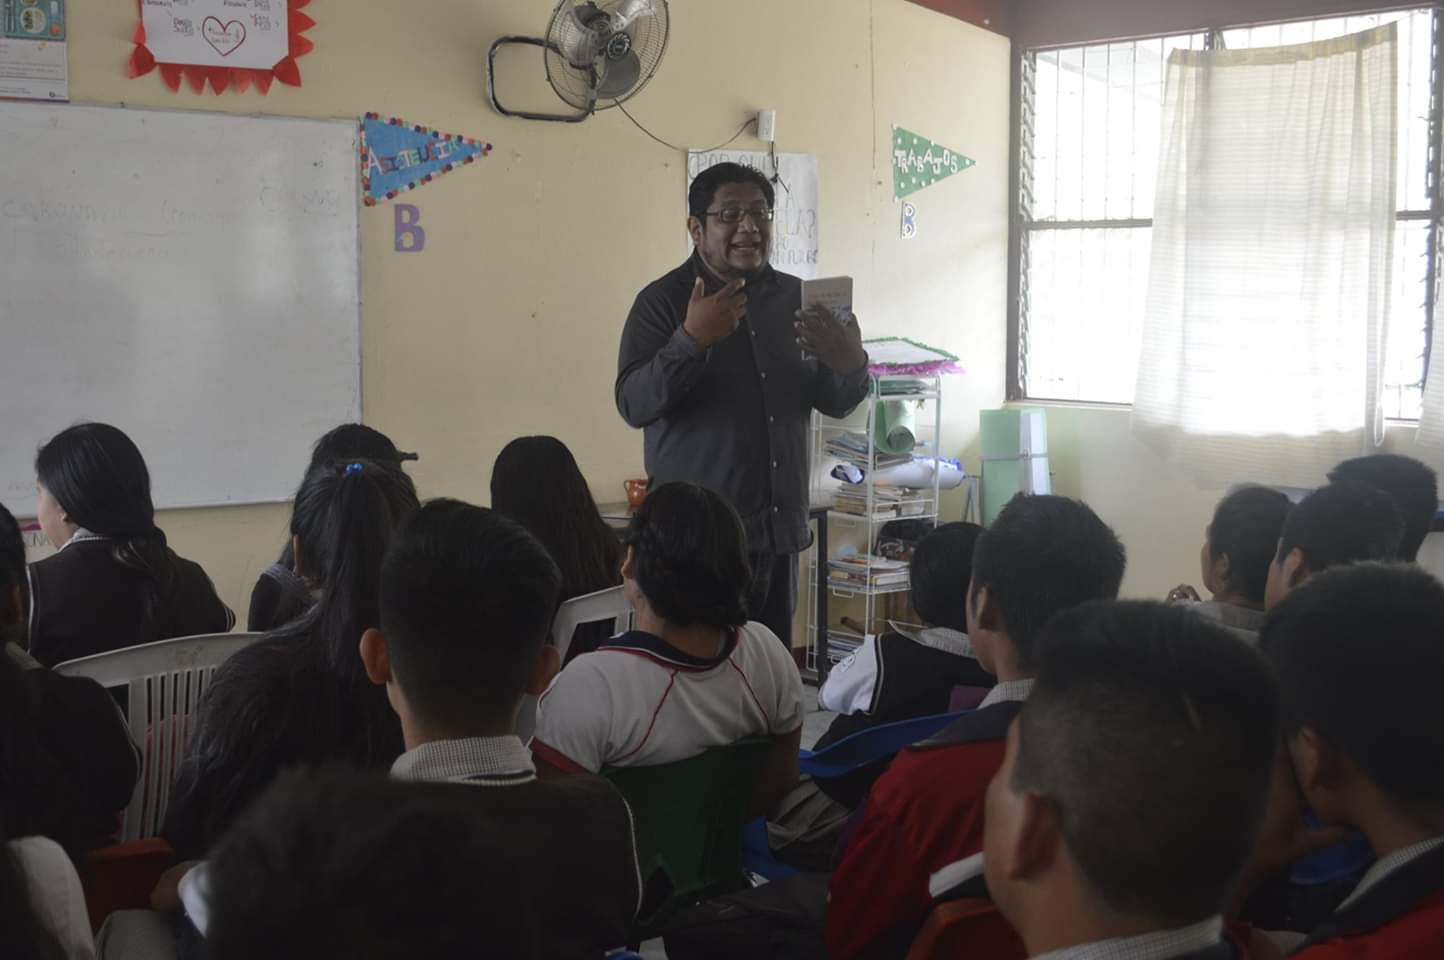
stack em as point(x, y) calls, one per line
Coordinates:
point(397, 156)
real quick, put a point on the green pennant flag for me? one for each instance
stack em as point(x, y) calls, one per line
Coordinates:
point(918, 162)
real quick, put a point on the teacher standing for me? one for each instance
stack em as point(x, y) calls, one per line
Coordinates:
point(712, 369)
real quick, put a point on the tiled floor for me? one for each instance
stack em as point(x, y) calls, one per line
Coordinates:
point(813, 726)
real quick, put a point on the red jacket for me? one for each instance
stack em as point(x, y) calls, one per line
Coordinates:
point(924, 813)
point(1400, 918)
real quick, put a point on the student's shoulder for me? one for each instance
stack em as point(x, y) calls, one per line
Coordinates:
point(757, 644)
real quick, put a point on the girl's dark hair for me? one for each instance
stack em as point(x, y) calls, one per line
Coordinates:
point(300, 694)
point(1246, 528)
point(12, 554)
point(691, 556)
point(536, 482)
point(97, 475)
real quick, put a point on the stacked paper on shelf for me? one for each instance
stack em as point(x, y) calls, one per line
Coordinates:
point(842, 644)
point(852, 447)
point(887, 502)
point(862, 570)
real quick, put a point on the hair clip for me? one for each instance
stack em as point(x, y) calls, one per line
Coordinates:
point(353, 468)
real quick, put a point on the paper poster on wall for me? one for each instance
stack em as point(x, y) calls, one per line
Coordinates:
point(224, 43)
point(33, 64)
point(397, 156)
point(918, 162)
point(794, 228)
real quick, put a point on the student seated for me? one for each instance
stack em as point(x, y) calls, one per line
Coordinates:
point(1133, 788)
point(1358, 655)
point(67, 763)
point(1338, 524)
point(300, 696)
point(912, 674)
point(899, 675)
point(1238, 548)
point(695, 673)
point(114, 583)
point(287, 588)
point(336, 864)
point(1413, 487)
point(536, 482)
point(455, 660)
point(1042, 554)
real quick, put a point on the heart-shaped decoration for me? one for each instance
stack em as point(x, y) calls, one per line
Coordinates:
point(224, 38)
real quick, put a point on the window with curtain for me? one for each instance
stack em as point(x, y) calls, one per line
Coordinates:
point(1088, 151)
point(1262, 349)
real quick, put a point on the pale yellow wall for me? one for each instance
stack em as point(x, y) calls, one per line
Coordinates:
point(508, 322)
point(1158, 510)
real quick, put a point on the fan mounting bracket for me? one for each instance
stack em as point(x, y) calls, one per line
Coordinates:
point(523, 114)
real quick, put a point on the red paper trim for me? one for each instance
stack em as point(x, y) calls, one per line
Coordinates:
point(197, 77)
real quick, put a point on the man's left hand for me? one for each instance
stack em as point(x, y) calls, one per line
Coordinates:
point(836, 344)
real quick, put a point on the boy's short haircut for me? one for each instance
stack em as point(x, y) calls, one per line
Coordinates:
point(1041, 555)
point(467, 602)
point(339, 864)
point(1246, 527)
point(1153, 732)
point(1342, 523)
point(1414, 487)
point(942, 568)
point(1359, 652)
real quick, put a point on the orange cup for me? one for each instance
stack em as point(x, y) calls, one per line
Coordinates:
point(636, 492)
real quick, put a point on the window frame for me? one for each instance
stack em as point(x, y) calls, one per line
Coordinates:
point(1021, 224)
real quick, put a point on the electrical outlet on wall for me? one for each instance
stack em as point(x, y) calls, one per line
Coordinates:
point(767, 125)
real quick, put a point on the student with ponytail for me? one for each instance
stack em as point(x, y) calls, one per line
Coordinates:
point(114, 582)
point(300, 696)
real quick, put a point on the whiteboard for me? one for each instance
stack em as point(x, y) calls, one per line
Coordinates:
point(192, 278)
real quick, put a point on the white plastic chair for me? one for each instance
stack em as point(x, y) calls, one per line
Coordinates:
point(165, 681)
point(609, 604)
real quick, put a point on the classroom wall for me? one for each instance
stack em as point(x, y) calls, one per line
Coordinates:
point(1157, 509)
point(507, 323)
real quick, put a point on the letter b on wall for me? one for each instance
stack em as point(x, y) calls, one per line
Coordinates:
point(410, 237)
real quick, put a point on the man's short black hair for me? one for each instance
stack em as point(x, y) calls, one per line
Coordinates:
point(704, 188)
point(1041, 555)
point(942, 568)
point(1342, 523)
point(1153, 732)
point(1359, 653)
point(336, 864)
point(1414, 487)
point(691, 556)
point(467, 601)
point(1246, 528)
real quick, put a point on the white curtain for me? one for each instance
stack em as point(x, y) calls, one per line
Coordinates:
point(1273, 229)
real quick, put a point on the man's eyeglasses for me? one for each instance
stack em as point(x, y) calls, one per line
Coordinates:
point(734, 215)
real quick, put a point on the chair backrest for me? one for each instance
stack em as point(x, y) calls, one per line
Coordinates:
point(871, 745)
point(609, 604)
point(689, 817)
point(165, 682)
point(967, 928)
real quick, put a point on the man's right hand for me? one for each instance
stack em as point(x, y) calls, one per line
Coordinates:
point(710, 320)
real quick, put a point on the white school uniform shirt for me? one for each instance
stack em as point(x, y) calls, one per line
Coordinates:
point(638, 702)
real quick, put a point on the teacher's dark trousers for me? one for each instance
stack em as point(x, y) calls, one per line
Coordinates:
point(773, 597)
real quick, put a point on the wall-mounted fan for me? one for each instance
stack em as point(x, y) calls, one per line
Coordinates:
point(598, 53)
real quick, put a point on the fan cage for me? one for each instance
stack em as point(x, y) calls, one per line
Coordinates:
point(575, 86)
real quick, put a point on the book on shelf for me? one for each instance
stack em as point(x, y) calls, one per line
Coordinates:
point(860, 571)
point(887, 502)
point(852, 447)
